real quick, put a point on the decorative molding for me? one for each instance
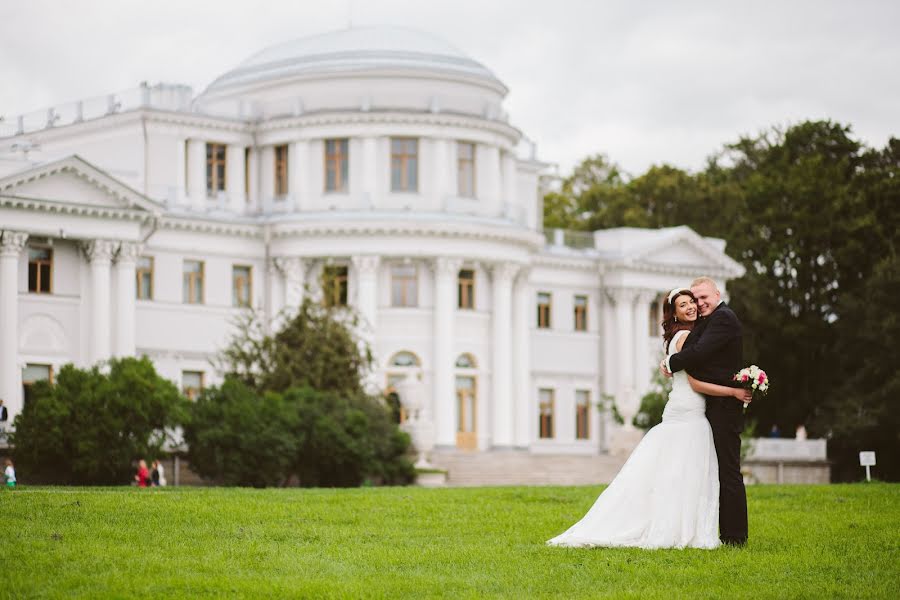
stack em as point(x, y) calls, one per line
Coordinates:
point(447, 267)
point(366, 264)
point(200, 225)
point(292, 267)
point(129, 252)
point(12, 243)
point(99, 252)
point(504, 271)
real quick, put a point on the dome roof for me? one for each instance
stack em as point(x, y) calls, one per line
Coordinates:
point(355, 50)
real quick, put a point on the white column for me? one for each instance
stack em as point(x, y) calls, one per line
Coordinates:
point(366, 268)
point(446, 272)
point(235, 178)
point(625, 344)
point(608, 366)
point(181, 176)
point(197, 174)
point(125, 297)
point(294, 270)
point(299, 173)
point(439, 174)
point(369, 189)
point(11, 245)
point(642, 363)
point(99, 253)
point(502, 416)
point(522, 319)
point(509, 178)
point(267, 177)
point(488, 174)
point(253, 179)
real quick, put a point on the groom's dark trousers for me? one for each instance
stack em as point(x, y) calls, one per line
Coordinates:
point(713, 352)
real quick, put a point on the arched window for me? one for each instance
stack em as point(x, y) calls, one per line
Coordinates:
point(405, 359)
point(466, 361)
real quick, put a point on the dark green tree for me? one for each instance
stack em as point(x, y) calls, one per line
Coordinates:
point(90, 425)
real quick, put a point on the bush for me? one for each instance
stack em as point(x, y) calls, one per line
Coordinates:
point(89, 426)
point(237, 437)
point(653, 403)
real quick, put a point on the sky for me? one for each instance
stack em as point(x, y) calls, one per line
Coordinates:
point(643, 82)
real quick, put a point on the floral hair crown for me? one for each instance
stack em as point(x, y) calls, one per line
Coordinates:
point(675, 292)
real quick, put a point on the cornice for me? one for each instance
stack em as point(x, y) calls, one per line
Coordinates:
point(389, 117)
point(522, 237)
point(70, 208)
point(584, 263)
point(672, 269)
point(201, 225)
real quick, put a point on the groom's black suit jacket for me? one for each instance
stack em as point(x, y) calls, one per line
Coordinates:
point(713, 352)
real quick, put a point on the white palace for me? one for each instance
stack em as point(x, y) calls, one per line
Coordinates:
point(377, 160)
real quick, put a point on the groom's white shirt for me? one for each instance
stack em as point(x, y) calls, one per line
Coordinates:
point(668, 368)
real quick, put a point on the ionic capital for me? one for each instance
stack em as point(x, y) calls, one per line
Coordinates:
point(446, 266)
point(12, 243)
point(366, 264)
point(128, 252)
point(99, 251)
point(504, 271)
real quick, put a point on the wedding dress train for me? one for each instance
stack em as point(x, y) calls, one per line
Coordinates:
point(667, 493)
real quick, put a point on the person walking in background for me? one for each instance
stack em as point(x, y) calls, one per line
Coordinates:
point(9, 474)
point(4, 416)
point(154, 473)
point(143, 475)
point(159, 477)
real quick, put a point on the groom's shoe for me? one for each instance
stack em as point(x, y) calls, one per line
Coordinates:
point(734, 542)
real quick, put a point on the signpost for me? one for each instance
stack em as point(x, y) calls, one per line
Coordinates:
point(867, 459)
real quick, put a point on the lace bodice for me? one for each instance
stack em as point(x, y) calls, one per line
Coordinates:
point(684, 403)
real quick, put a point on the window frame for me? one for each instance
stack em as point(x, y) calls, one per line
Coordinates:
point(545, 422)
point(186, 391)
point(410, 282)
point(247, 285)
point(335, 285)
point(462, 162)
point(465, 292)
point(583, 415)
point(26, 384)
point(580, 313)
point(282, 167)
point(38, 263)
point(338, 160)
point(402, 159)
point(140, 271)
point(216, 166)
point(193, 277)
point(544, 311)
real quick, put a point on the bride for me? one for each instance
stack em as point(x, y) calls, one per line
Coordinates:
point(667, 493)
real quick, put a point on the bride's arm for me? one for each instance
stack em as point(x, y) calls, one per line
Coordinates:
point(711, 389)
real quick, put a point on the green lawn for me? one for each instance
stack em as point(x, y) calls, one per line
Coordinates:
point(806, 541)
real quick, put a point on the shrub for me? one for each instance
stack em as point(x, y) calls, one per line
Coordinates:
point(90, 426)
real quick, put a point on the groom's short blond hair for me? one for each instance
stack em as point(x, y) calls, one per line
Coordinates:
point(705, 279)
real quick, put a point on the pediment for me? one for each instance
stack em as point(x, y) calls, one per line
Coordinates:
point(73, 181)
point(682, 248)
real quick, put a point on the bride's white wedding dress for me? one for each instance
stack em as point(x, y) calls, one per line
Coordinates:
point(667, 493)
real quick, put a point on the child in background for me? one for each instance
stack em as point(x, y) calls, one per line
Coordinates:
point(10, 474)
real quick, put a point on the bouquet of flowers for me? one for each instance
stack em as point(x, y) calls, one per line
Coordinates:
point(754, 379)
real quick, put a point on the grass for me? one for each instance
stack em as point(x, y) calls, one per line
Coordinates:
point(806, 542)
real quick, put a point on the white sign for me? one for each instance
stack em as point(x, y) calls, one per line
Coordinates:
point(867, 459)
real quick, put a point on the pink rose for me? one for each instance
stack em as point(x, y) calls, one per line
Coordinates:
point(744, 378)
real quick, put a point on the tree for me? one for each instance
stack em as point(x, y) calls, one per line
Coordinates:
point(311, 372)
point(238, 437)
point(90, 426)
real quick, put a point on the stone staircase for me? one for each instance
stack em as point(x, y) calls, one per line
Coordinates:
point(523, 468)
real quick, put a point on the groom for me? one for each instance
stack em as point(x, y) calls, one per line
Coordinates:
point(713, 352)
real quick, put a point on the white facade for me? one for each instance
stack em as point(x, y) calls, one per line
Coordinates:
point(107, 183)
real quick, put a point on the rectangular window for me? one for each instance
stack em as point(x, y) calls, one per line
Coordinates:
point(215, 169)
point(144, 274)
point(240, 285)
point(467, 289)
point(465, 169)
point(247, 175)
point(337, 165)
point(582, 414)
point(191, 383)
point(543, 310)
point(404, 164)
point(281, 170)
point(192, 291)
point(334, 285)
point(40, 270)
point(404, 285)
point(545, 410)
point(31, 374)
point(581, 307)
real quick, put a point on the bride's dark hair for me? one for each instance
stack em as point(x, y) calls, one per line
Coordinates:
point(669, 324)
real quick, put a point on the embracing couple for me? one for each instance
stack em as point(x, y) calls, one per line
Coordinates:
point(682, 486)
